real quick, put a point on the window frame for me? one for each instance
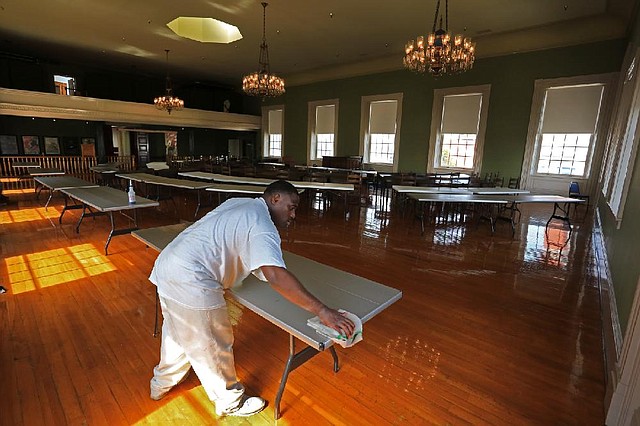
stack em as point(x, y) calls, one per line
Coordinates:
point(311, 128)
point(588, 169)
point(559, 184)
point(265, 131)
point(365, 136)
point(622, 138)
point(435, 137)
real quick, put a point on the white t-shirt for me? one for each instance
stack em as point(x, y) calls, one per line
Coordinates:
point(217, 252)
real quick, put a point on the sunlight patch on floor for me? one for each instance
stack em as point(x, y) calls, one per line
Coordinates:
point(48, 268)
point(193, 406)
point(28, 215)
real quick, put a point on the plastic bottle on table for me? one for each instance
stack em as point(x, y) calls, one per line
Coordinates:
point(131, 193)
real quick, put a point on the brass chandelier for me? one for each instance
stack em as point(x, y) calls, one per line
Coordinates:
point(168, 102)
point(262, 83)
point(437, 55)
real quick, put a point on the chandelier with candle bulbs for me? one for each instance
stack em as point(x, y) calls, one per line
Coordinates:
point(168, 102)
point(438, 54)
point(262, 83)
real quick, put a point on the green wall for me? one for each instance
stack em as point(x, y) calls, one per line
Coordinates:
point(623, 245)
point(512, 81)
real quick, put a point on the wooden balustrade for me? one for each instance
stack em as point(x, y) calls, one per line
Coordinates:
point(71, 165)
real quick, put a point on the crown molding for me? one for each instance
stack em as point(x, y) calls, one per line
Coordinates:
point(49, 105)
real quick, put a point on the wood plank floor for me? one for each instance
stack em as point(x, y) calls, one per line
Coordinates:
point(490, 330)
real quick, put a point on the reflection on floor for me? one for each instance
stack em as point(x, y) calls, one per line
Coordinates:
point(491, 329)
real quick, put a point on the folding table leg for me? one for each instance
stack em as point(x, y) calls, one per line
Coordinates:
point(113, 227)
point(294, 361)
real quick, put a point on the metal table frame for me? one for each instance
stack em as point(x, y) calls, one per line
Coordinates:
point(105, 200)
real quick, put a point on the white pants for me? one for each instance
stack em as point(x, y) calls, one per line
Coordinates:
point(202, 339)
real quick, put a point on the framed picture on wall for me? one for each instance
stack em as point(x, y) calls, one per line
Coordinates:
point(51, 146)
point(31, 145)
point(8, 145)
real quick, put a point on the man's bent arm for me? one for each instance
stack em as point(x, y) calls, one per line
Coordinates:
point(285, 283)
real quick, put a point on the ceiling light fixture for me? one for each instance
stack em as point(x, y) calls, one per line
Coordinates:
point(263, 83)
point(168, 102)
point(437, 55)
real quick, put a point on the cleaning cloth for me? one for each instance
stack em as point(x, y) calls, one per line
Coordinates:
point(341, 339)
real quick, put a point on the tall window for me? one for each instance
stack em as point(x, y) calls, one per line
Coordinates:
point(323, 116)
point(566, 135)
point(623, 141)
point(457, 129)
point(272, 125)
point(380, 127)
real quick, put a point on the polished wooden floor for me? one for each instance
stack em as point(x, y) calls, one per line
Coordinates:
point(491, 330)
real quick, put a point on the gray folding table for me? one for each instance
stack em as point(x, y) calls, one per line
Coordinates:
point(560, 210)
point(105, 200)
point(37, 171)
point(217, 177)
point(338, 289)
point(341, 188)
point(559, 202)
point(158, 181)
point(56, 183)
point(483, 200)
point(23, 167)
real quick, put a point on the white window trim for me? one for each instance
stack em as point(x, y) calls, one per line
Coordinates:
point(436, 125)
point(614, 181)
point(311, 128)
point(265, 129)
point(594, 158)
point(364, 130)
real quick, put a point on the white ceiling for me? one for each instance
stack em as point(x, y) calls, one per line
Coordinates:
point(308, 40)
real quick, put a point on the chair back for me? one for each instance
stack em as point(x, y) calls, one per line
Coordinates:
point(514, 183)
point(574, 188)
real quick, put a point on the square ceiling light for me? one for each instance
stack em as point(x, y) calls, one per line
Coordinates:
point(205, 30)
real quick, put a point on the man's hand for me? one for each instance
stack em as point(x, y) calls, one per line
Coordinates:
point(285, 283)
point(337, 321)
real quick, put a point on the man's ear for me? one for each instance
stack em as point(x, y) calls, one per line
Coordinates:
point(275, 198)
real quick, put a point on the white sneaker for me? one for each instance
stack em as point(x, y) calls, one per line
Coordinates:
point(248, 407)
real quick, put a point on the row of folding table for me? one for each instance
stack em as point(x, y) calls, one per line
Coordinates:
point(491, 199)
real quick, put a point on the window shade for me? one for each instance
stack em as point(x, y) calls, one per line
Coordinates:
point(571, 109)
point(275, 121)
point(382, 117)
point(461, 113)
point(325, 119)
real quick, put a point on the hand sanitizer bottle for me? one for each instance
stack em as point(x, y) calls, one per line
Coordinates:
point(131, 193)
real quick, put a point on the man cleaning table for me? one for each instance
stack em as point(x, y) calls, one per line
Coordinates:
point(217, 252)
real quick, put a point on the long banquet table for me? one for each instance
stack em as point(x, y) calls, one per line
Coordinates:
point(57, 183)
point(104, 200)
point(163, 181)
